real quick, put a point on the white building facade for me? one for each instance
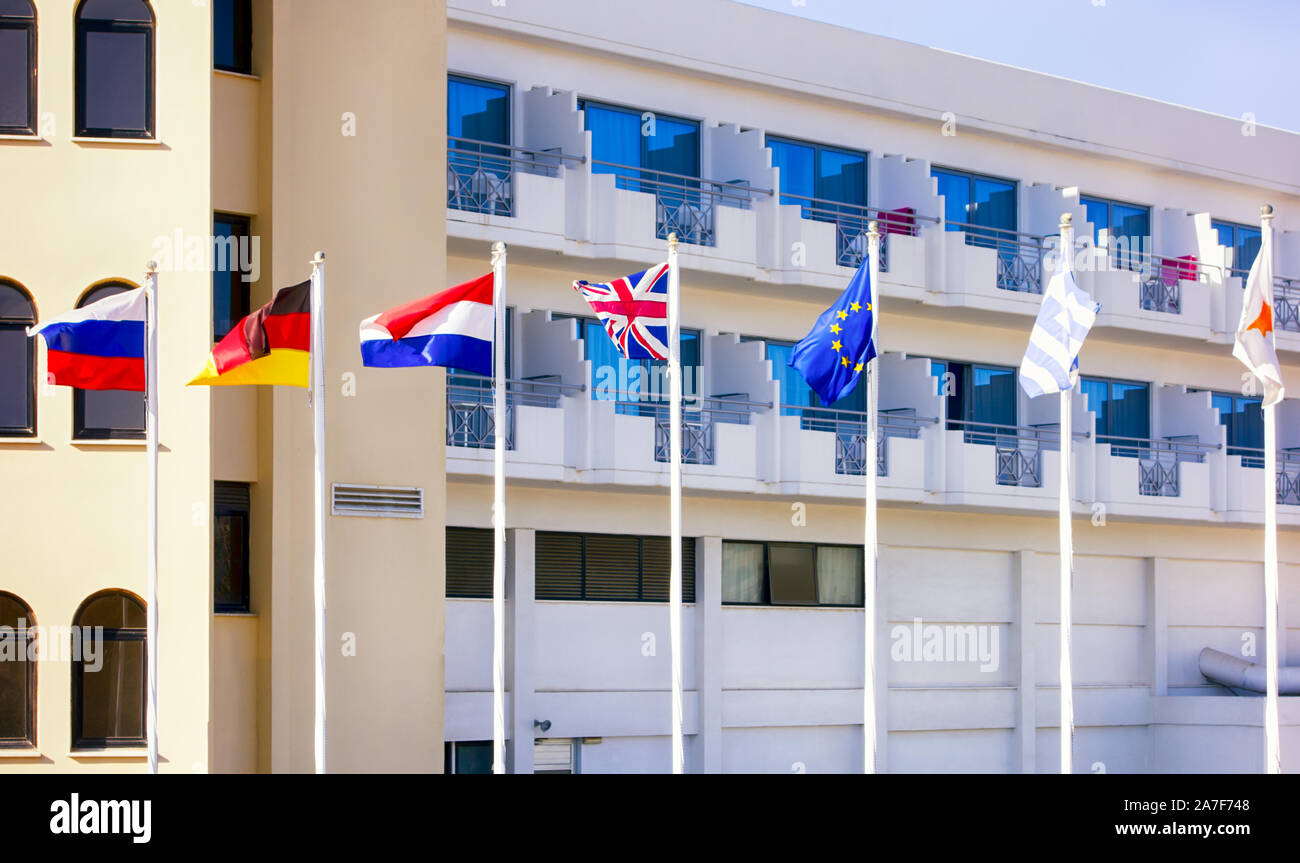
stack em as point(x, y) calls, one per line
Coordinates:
point(767, 143)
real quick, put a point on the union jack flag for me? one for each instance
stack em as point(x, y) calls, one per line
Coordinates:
point(634, 311)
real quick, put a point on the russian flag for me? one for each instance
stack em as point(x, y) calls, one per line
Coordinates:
point(451, 328)
point(99, 346)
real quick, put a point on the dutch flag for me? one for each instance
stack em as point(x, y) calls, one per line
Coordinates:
point(451, 328)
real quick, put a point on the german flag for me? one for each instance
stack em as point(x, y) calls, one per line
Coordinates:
point(270, 346)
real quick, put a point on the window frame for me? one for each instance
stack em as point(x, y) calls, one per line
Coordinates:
point(82, 26)
point(584, 594)
point(241, 306)
point(1128, 448)
point(81, 433)
point(818, 149)
point(29, 431)
point(1132, 258)
point(767, 583)
point(1236, 227)
point(971, 177)
point(644, 140)
point(29, 632)
point(242, 9)
point(119, 634)
point(478, 80)
point(29, 24)
point(243, 508)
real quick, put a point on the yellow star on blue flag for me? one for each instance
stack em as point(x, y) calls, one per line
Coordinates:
point(832, 356)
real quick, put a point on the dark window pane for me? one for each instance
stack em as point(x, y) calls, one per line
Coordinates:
point(674, 147)
point(742, 572)
point(558, 566)
point(1247, 247)
point(112, 697)
point(790, 574)
point(115, 10)
point(841, 176)
point(17, 9)
point(14, 704)
point(113, 611)
point(232, 35)
point(231, 562)
point(231, 259)
point(994, 204)
point(115, 81)
point(473, 756)
point(613, 565)
point(15, 78)
point(16, 370)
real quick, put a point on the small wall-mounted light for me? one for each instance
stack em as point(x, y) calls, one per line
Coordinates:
point(543, 724)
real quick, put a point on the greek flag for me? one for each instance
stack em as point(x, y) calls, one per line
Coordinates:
point(1052, 357)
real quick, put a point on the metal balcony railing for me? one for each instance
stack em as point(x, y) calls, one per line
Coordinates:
point(850, 429)
point(1286, 304)
point(699, 417)
point(684, 205)
point(851, 223)
point(470, 420)
point(1159, 459)
point(1161, 278)
point(1019, 255)
point(480, 174)
point(1287, 480)
point(1017, 449)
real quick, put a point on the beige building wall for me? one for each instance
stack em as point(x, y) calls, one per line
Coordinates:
point(72, 515)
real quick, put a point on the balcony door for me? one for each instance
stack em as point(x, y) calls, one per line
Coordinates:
point(478, 173)
point(1123, 410)
point(981, 399)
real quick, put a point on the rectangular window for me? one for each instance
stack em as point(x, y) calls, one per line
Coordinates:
point(828, 174)
point(625, 139)
point(107, 415)
point(795, 392)
point(609, 567)
point(983, 207)
point(479, 170)
point(231, 262)
point(981, 400)
point(232, 36)
point(1123, 229)
point(467, 756)
point(17, 69)
point(230, 557)
point(787, 573)
point(469, 563)
point(1123, 410)
point(1242, 242)
point(1243, 417)
point(615, 378)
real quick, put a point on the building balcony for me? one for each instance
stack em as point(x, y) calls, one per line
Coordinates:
point(1150, 293)
point(537, 426)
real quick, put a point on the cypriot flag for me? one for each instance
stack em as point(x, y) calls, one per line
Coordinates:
point(1254, 345)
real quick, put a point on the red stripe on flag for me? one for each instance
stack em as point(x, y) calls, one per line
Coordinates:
point(88, 372)
point(288, 331)
point(399, 321)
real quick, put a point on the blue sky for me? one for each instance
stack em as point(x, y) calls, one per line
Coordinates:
point(1226, 57)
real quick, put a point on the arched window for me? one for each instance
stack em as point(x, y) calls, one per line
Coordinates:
point(107, 414)
point(17, 67)
point(17, 673)
point(109, 677)
point(17, 361)
point(115, 69)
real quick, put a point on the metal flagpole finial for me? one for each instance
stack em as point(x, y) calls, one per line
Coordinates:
point(498, 249)
point(1266, 212)
point(318, 258)
point(151, 268)
point(672, 240)
point(873, 228)
point(1067, 219)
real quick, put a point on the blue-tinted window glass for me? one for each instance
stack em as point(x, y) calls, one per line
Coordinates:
point(796, 164)
point(1130, 227)
point(841, 176)
point(1243, 417)
point(479, 110)
point(673, 145)
point(980, 399)
point(1123, 410)
point(1098, 213)
point(994, 204)
point(608, 382)
point(1247, 247)
point(794, 389)
point(1226, 234)
point(956, 191)
point(232, 35)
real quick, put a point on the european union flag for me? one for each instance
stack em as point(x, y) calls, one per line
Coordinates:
point(835, 353)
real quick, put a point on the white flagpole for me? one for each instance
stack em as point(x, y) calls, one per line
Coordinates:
point(869, 542)
point(1067, 543)
point(317, 392)
point(499, 430)
point(151, 532)
point(1272, 732)
point(675, 497)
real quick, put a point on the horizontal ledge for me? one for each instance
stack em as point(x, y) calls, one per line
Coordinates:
point(230, 73)
point(134, 142)
point(129, 753)
point(20, 753)
point(23, 139)
point(109, 442)
point(20, 441)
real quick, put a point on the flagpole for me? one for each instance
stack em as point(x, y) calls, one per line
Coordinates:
point(870, 549)
point(151, 532)
point(317, 394)
point(1272, 731)
point(675, 497)
point(499, 431)
point(1067, 543)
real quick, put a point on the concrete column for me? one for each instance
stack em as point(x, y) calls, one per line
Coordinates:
point(708, 654)
point(1157, 635)
point(1026, 663)
point(520, 670)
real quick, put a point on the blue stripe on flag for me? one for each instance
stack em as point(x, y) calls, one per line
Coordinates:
point(97, 338)
point(450, 349)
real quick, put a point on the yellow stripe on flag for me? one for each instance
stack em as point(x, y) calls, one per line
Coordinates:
point(282, 366)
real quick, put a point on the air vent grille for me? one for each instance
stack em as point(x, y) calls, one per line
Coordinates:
point(378, 501)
